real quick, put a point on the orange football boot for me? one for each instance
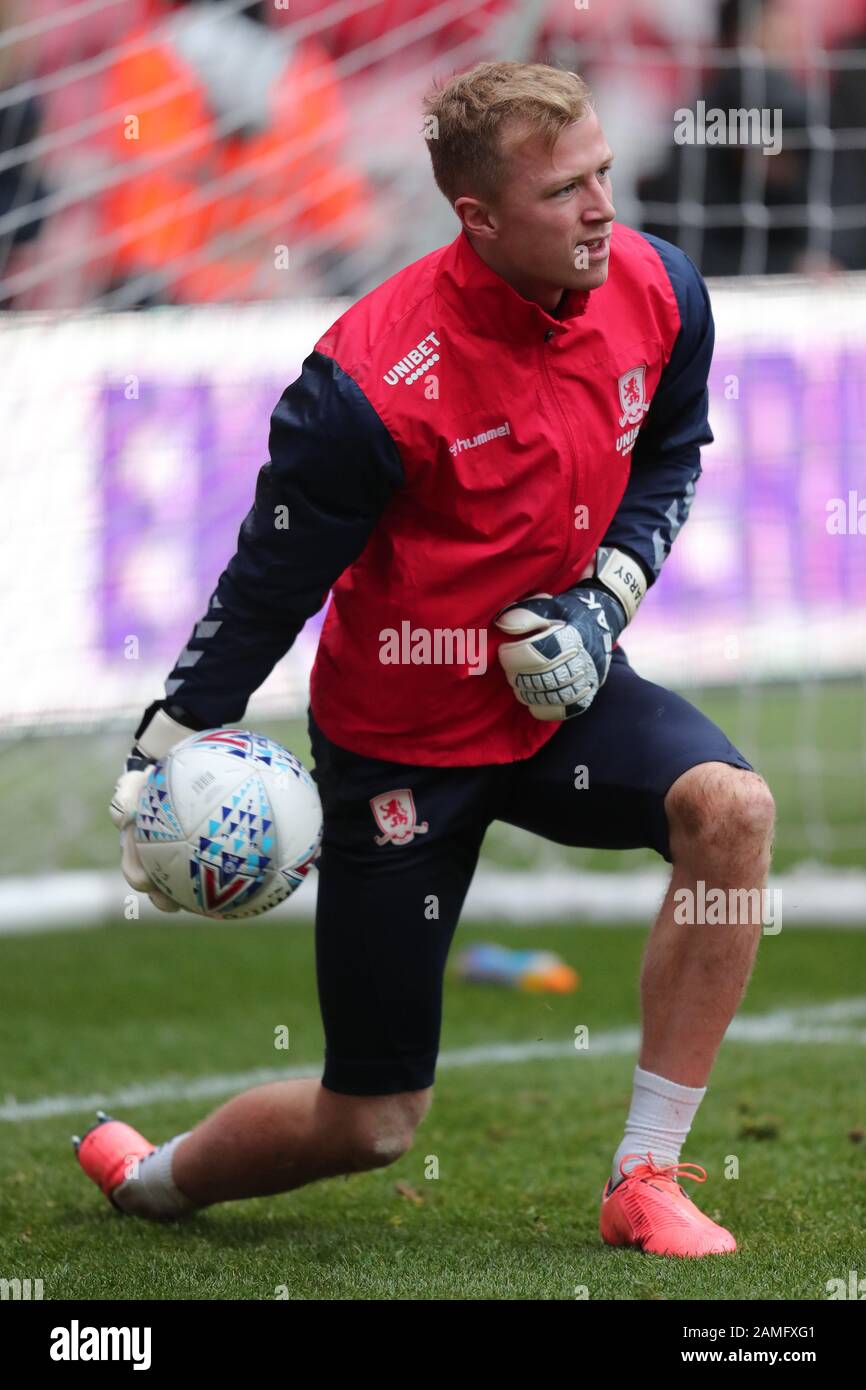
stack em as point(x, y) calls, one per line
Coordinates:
point(649, 1211)
point(109, 1152)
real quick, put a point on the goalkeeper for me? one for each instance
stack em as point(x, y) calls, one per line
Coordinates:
point(501, 441)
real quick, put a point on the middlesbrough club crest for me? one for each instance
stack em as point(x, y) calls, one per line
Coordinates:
point(396, 817)
point(632, 396)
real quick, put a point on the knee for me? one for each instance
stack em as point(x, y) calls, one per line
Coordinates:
point(715, 806)
point(383, 1127)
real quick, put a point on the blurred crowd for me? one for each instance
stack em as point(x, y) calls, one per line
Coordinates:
point(164, 152)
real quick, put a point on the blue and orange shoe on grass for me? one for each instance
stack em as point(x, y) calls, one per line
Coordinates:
point(649, 1211)
point(109, 1151)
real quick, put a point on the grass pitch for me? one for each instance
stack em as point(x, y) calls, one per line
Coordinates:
point(522, 1146)
point(523, 1143)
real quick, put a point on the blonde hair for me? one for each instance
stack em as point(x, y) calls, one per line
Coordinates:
point(467, 118)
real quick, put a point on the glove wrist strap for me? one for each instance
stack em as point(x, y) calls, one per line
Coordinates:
point(160, 735)
point(621, 576)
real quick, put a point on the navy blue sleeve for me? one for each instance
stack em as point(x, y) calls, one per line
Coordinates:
point(333, 466)
point(666, 462)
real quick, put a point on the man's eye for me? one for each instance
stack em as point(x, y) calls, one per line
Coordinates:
point(603, 173)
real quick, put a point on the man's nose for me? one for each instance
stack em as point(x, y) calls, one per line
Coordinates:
point(600, 208)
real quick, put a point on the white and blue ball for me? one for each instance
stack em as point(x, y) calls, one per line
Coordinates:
point(229, 823)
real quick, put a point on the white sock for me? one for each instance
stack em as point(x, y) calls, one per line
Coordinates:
point(151, 1191)
point(660, 1117)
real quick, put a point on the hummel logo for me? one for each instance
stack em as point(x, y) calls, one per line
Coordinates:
point(483, 438)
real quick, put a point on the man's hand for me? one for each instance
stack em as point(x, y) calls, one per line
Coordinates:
point(156, 735)
point(563, 654)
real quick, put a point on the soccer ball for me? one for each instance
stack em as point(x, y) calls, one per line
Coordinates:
point(229, 823)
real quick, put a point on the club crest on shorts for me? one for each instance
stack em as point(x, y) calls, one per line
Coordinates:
point(396, 817)
point(632, 396)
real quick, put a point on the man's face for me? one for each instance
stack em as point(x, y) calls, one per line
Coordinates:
point(549, 229)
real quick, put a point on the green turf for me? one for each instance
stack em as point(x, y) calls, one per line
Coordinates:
point(808, 741)
point(522, 1148)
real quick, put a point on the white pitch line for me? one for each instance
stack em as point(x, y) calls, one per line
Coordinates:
point(91, 898)
point(817, 1023)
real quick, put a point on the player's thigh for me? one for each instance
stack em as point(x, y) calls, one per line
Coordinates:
point(602, 779)
point(399, 849)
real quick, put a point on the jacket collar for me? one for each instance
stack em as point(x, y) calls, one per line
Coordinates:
point(490, 307)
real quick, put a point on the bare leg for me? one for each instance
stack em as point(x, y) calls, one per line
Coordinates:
point(282, 1135)
point(694, 977)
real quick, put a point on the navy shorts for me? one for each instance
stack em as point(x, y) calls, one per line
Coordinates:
point(399, 838)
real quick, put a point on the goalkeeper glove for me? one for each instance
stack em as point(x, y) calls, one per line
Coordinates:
point(160, 729)
point(562, 656)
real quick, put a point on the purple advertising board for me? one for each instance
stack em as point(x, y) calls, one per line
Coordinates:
point(179, 465)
